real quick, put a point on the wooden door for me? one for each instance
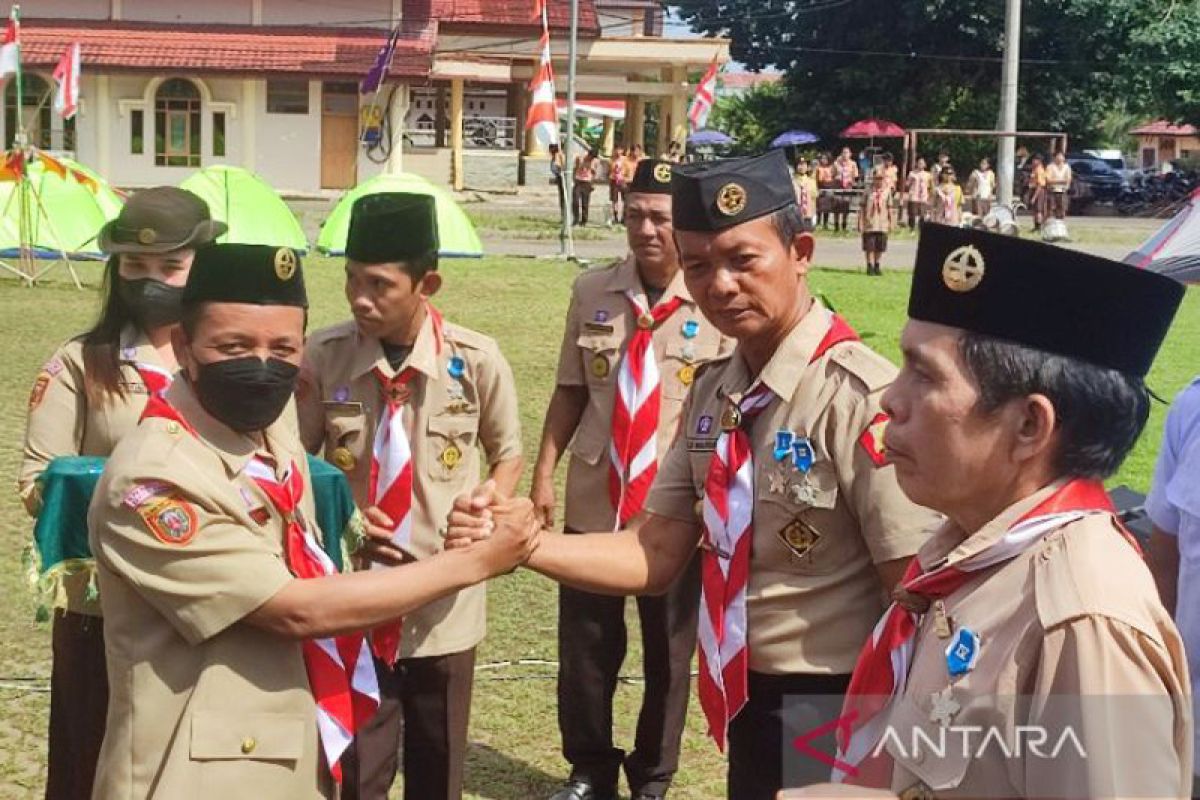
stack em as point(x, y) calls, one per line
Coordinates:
point(339, 136)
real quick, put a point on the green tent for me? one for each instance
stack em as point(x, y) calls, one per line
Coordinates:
point(457, 234)
point(254, 212)
point(66, 213)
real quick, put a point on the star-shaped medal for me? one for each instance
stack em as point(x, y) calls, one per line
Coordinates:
point(944, 707)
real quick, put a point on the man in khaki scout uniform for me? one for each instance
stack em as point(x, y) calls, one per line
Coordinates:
point(1031, 609)
point(88, 395)
point(455, 400)
point(221, 613)
point(620, 316)
point(778, 471)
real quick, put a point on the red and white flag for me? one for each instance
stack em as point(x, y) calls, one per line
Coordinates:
point(10, 48)
point(706, 93)
point(66, 75)
point(539, 9)
point(542, 119)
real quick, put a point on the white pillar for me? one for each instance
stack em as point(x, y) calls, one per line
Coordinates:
point(1010, 71)
point(256, 12)
point(249, 117)
point(114, 9)
point(103, 123)
point(398, 112)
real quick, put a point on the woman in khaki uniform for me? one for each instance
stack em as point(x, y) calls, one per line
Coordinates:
point(85, 399)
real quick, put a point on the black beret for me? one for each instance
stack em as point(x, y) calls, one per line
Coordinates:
point(246, 273)
point(653, 176)
point(1042, 296)
point(392, 227)
point(715, 195)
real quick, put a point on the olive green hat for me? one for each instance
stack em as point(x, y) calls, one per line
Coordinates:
point(160, 220)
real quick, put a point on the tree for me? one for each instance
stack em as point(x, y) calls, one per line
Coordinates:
point(936, 63)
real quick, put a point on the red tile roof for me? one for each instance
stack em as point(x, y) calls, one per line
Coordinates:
point(347, 52)
point(515, 14)
point(1163, 128)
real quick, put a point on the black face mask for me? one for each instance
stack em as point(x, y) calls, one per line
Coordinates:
point(247, 394)
point(152, 303)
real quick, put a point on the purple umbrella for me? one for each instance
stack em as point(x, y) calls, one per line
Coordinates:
point(794, 139)
point(707, 138)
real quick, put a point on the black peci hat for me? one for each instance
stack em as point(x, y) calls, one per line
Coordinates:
point(1045, 297)
point(653, 176)
point(392, 227)
point(715, 195)
point(246, 273)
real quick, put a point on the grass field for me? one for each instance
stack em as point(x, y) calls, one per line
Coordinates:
point(515, 753)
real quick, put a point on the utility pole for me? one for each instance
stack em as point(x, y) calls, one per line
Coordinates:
point(566, 238)
point(1009, 79)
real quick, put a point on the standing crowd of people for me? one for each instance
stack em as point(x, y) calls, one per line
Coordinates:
point(591, 168)
point(916, 544)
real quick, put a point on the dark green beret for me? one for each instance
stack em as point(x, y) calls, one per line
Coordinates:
point(246, 273)
point(392, 227)
point(715, 195)
point(1042, 296)
point(653, 176)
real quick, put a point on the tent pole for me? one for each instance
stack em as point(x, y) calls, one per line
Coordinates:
point(65, 258)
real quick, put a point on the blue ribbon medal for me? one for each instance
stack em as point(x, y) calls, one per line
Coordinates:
point(456, 367)
point(962, 652)
point(783, 444)
point(803, 455)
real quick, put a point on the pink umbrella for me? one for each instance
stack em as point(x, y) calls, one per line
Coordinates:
point(873, 128)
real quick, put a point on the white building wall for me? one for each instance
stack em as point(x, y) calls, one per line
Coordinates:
point(368, 13)
point(69, 9)
point(288, 146)
point(228, 12)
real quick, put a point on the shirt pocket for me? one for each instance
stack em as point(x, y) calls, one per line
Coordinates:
point(449, 443)
point(347, 437)
point(220, 736)
point(797, 510)
point(916, 743)
point(601, 353)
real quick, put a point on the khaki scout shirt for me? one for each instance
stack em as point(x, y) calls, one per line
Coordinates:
point(186, 546)
point(1075, 614)
point(600, 323)
point(62, 422)
point(340, 403)
point(811, 604)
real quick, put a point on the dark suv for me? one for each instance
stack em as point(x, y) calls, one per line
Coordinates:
point(1093, 181)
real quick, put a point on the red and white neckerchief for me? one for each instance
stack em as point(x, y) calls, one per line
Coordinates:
point(391, 481)
point(633, 456)
point(878, 206)
point(340, 673)
point(949, 205)
point(804, 198)
point(725, 564)
point(882, 669)
point(920, 187)
point(156, 379)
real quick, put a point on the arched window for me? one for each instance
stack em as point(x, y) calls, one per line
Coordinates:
point(177, 124)
point(36, 113)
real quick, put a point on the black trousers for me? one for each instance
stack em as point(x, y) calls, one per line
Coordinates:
point(591, 648)
point(78, 704)
point(427, 703)
point(760, 737)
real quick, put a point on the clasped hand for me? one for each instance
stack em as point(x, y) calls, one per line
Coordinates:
point(507, 526)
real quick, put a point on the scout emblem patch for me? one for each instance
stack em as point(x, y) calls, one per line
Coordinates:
point(451, 456)
point(799, 537)
point(687, 374)
point(962, 652)
point(731, 199)
point(285, 263)
point(147, 236)
point(944, 707)
point(662, 173)
point(963, 269)
point(600, 316)
point(341, 394)
point(343, 459)
point(783, 444)
point(38, 392)
point(871, 439)
point(171, 520)
point(803, 454)
point(53, 366)
point(704, 424)
point(600, 366)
